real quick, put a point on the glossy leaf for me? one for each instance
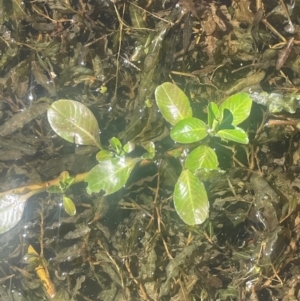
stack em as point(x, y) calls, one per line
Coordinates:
point(11, 209)
point(129, 147)
point(150, 148)
point(174, 105)
point(202, 157)
point(237, 135)
point(239, 105)
point(190, 199)
point(69, 206)
point(74, 122)
point(189, 130)
point(116, 145)
point(104, 155)
point(110, 175)
point(213, 114)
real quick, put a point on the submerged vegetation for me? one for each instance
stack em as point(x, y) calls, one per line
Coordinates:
point(149, 150)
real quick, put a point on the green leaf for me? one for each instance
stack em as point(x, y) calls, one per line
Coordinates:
point(239, 105)
point(54, 189)
point(189, 130)
point(227, 120)
point(74, 122)
point(174, 105)
point(69, 206)
point(104, 155)
point(129, 147)
point(110, 175)
point(213, 114)
point(11, 209)
point(116, 145)
point(190, 199)
point(205, 174)
point(236, 135)
point(202, 157)
point(150, 148)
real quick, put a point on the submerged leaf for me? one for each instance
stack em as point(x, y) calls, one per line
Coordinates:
point(11, 209)
point(173, 103)
point(239, 105)
point(69, 206)
point(74, 122)
point(190, 199)
point(202, 157)
point(237, 135)
point(189, 130)
point(110, 175)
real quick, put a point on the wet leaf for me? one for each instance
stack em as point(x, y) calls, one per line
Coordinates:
point(110, 175)
point(69, 206)
point(213, 114)
point(104, 155)
point(150, 148)
point(116, 145)
point(239, 105)
point(189, 130)
point(202, 157)
point(190, 199)
point(237, 135)
point(173, 103)
point(74, 122)
point(11, 209)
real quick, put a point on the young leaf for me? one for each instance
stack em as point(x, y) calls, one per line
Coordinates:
point(116, 145)
point(190, 199)
point(189, 130)
point(150, 148)
point(213, 114)
point(174, 105)
point(104, 155)
point(110, 175)
point(69, 206)
point(237, 135)
point(239, 105)
point(74, 122)
point(202, 157)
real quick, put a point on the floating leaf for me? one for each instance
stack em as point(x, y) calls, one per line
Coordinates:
point(190, 199)
point(189, 130)
point(69, 206)
point(11, 209)
point(110, 175)
point(202, 157)
point(237, 135)
point(239, 105)
point(174, 105)
point(74, 122)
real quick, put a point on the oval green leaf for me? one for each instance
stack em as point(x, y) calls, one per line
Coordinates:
point(104, 155)
point(190, 199)
point(239, 105)
point(189, 130)
point(237, 135)
point(74, 122)
point(69, 206)
point(172, 102)
point(110, 175)
point(202, 157)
